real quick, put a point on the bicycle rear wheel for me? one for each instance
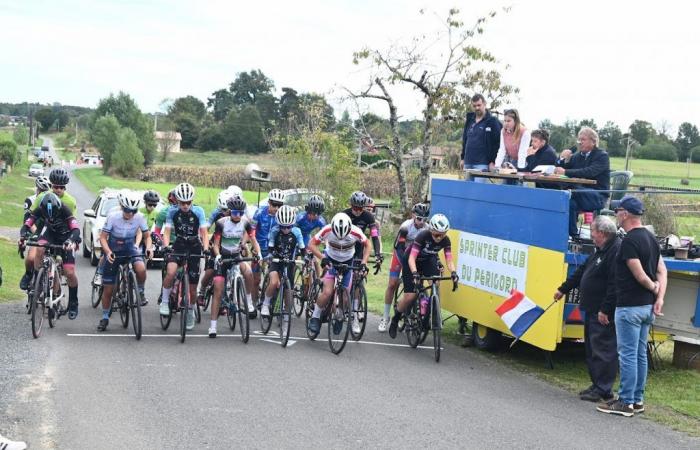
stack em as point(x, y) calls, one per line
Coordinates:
point(339, 321)
point(135, 305)
point(242, 310)
point(208, 295)
point(299, 294)
point(436, 320)
point(310, 305)
point(285, 301)
point(39, 302)
point(397, 296)
point(122, 294)
point(359, 311)
point(184, 306)
point(413, 325)
point(265, 322)
point(231, 313)
point(96, 293)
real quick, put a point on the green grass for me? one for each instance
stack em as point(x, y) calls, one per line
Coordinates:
point(12, 271)
point(14, 188)
point(94, 180)
point(218, 158)
point(660, 173)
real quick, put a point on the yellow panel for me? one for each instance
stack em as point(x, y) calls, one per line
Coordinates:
point(546, 269)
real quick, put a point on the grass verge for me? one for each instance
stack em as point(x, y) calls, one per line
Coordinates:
point(12, 271)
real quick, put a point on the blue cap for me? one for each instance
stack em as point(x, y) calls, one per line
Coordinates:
point(630, 204)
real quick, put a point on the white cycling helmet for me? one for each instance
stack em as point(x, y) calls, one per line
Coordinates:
point(341, 225)
point(276, 195)
point(235, 191)
point(439, 223)
point(184, 192)
point(127, 200)
point(42, 183)
point(222, 198)
point(286, 216)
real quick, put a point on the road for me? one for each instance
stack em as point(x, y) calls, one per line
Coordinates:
point(76, 389)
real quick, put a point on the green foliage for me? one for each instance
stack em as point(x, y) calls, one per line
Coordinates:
point(695, 154)
point(188, 105)
point(21, 135)
point(62, 118)
point(688, 137)
point(8, 150)
point(221, 103)
point(657, 149)
point(642, 131)
point(612, 135)
point(244, 130)
point(127, 158)
point(104, 135)
point(45, 117)
point(210, 138)
point(189, 127)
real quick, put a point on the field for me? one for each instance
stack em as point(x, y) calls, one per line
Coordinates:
point(218, 158)
point(660, 173)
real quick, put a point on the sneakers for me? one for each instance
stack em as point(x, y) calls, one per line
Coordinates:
point(7, 444)
point(103, 325)
point(164, 309)
point(73, 309)
point(265, 311)
point(315, 325)
point(595, 397)
point(616, 407)
point(212, 332)
point(393, 326)
point(356, 329)
point(587, 390)
point(382, 325)
point(638, 408)
point(24, 282)
point(251, 309)
point(144, 300)
point(97, 281)
point(190, 319)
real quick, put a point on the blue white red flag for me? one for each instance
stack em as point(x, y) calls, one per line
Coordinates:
point(519, 313)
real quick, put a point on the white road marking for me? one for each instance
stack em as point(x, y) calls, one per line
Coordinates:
point(289, 343)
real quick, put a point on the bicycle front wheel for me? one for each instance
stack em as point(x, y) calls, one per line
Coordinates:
point(39, 302)
point(413, 325)
point(436, 320)
point(135, 305)
point(96, 293)
point(242, 310)
point(359, 310)
point(265, 322)
point(122, 294)
point(339, 321)
point(299, 292)
point(397, 296)
point(184, 306)
point(309, 309)
point(285, 311)
point(208, 295)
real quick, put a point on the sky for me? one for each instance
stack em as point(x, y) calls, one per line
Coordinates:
point(606, 60)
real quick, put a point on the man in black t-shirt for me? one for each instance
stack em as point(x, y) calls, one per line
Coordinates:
point(640, 278)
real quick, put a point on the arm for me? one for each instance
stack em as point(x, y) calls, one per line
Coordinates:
point(148, 243)
point(313, 248)
point(600, 165)
point(662, 277)
point(166, 236)
point(365, 253)
point(412, 258)
point(571, 282)
point(104, 239)
point(448, 259)
point(494, 139)
point(501, 155)
point(522, 150)
point(376, 243)
point(635, 267)
point(464, 139)
point(217, 243)
point(204, 237)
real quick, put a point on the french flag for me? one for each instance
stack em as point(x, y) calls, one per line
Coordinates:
point(519, 313)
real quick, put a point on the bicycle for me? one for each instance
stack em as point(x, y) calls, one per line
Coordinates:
point(234, 300)
point(96, 291)
point(304, 280)
point(425, 314)
point(359, 292)
point(47, 294)
point(180, 295)
point(126, 297)
point(282, 310)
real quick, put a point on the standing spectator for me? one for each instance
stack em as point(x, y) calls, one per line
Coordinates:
point(481, 138)
point(515, 139)
point(640, 277)
point(589, 162)
point(595, 281)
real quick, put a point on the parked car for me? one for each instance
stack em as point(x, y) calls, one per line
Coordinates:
point(95, 219)
point(36, 170)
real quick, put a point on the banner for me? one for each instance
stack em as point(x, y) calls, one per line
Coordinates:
point(492, 265)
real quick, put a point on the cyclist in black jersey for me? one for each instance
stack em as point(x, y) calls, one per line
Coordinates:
point(363, 219)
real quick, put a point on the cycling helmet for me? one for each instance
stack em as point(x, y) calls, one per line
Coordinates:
point(235, 190)
point(184, 192)
point(286, 216)
point(315, 205)
point(51, 205)
point(127, 200)
point(222, 198)
point(341, 225)
point(439, 223)
point(358, 199)
point(42, 183)
point(276, 195)
point(421, 210)
point(151, 197)
point(236, 203)
point(171, 197)
point(59, 176)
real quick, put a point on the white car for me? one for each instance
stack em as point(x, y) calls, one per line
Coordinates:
point(95, 219)
point(298, 197)
point(36, 170)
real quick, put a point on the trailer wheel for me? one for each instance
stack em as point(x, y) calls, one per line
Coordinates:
point(485, 338)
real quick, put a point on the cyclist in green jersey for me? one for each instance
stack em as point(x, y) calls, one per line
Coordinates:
point(150, 201)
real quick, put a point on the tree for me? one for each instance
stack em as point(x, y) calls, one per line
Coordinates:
point(445, 69)
point(104, 135)
point(167, 142)
point(8, 150)
point(254, 88)
point(21, 135)
point(658, 149)
point(45, 117)
point(220, 103)
point(612, 135)
point(244, 130)
point(288, 107)
point(211, 138)
point(127, 158)
point(590, 123)
point(188, 105)
point(688, 137)
point(62, 117)
point(642, 131)
point(189, 127)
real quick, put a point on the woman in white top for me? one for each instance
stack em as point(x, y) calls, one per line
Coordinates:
point(515, 140)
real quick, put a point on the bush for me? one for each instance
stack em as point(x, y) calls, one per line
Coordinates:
point(21, 135)
point(210, 138)
point(661, 151)
point(104, 136)
point(695, 152)
point(8, 150)
point(127, 158)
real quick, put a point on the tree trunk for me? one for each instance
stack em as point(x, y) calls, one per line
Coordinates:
point(424, 177)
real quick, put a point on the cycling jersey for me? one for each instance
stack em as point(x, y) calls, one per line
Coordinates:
point(65, 198)
point(424, 246)
point(284, 245)
point(28, 202)
point(406, 235)
point(306, 225)
point(124, 229)
point(215, 215)
point(186, 225)
point(263, 222)
point(363, 221)
point(231, 233)
point(340, 250)
point(63, 226)
point(150, 217)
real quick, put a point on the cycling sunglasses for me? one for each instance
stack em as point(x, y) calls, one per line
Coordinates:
point(129, 210)
point(276, 204)
point(236, 212)
point(151, 205)
point(185, 203)
point(58, 186)
point(285, 227)
point(420, 219)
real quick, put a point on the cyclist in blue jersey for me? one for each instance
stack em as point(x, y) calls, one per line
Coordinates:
point(189, 225)
point(263, 221)
point(283, 242)
point(118, 238)
point(311, 220)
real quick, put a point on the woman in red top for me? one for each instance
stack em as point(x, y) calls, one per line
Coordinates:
point(515, 140)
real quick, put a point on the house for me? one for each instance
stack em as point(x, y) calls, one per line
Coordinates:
point(168, 141)
point(437, 156)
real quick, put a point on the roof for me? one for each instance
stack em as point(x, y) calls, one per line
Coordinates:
point(168, 135)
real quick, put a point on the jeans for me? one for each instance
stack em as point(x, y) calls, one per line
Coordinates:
point(632, 324)
point(476, 167)
point(583, 201)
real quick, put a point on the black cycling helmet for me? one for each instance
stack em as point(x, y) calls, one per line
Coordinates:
point(151, 197)
point(59, 176)
point(315, 205)
point(51, 206)
point(236, 203)
point(358, 199)
point(421, 210)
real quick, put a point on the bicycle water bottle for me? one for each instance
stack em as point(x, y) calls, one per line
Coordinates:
point(423, 305)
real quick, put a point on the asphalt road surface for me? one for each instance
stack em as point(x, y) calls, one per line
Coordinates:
point(76, 389)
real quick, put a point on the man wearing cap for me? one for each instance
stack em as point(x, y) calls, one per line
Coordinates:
point(640, 278)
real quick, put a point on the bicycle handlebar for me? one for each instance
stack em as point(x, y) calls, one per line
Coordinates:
point(36, 244)
point(235, 260)
point(455, 284)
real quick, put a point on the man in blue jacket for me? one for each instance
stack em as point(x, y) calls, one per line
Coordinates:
point(589, 162)
point(481, 138)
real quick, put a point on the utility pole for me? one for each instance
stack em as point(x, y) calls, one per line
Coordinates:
point(630, 141)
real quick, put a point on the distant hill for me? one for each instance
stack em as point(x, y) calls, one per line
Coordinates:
point(22, 109)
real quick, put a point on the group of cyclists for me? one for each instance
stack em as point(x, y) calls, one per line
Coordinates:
point(272, 237)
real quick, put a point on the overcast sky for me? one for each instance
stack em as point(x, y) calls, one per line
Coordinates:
point(609, 60)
